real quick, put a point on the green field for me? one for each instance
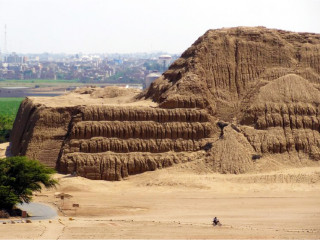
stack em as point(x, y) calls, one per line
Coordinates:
point(39, 83)
point(8, 111)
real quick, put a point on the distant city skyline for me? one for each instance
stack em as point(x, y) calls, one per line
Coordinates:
point(132, 26)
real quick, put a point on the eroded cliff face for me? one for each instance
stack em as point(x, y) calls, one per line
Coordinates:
point(237, 97)
point(220, 68)
point(285, 116)
point(265, 82)
point(109, 142)
point(39, 131)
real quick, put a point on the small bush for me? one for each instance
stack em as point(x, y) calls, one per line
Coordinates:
point(19, 177)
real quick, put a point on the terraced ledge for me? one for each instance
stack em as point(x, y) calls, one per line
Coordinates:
point(142, 130)
point(103, 144)
point(116, 166)
point(120, 113)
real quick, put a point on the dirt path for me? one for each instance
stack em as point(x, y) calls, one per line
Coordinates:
point(172, 203)
point(52, 230)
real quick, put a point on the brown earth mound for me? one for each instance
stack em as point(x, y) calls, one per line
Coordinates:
point(107, 92)
point(223, 66)
point(235, 99)
point(264, 81)
point(105, 141)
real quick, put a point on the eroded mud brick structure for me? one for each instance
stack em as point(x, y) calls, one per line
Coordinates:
point(235, 96)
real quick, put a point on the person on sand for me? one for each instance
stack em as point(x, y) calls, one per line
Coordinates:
point(216, 221)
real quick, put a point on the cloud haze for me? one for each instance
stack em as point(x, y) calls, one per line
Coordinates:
point(140, 25)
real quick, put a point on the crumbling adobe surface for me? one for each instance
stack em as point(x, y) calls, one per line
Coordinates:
point(235, 98)
point(265, 82)
point(108, 141)
point(223, 66)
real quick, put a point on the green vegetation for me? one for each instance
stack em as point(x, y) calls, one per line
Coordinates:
point(8, 111)
point(125, 76)
point(39, 82)
point(153, 66)
point(19, 177)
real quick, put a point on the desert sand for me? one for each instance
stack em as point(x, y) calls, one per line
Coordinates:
point(179, 203)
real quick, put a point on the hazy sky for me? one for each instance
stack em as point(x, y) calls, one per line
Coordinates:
point(140, 25)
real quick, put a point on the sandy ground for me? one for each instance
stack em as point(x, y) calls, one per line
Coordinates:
point(177, 203)
point(112, 96)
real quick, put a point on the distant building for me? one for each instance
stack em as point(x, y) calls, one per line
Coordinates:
point(151, 77)
point(165, 61)
point(13, 58)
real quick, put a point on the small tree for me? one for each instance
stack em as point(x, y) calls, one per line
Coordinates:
point(19, 177)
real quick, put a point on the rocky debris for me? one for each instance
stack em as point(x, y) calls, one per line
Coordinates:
point(231, 153)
